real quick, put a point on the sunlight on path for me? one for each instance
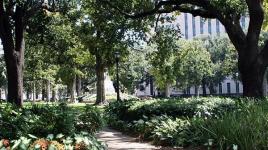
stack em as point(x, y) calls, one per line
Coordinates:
point(117, 141)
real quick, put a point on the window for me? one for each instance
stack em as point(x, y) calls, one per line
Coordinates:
point(228, 88)
point(201, 25)
point(193, 25)
point(186, 26)
point(218, 27)
point(209, 26)
point(237, 87)
point(220, 88)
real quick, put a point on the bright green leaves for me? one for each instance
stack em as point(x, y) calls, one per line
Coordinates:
point(192, 63)
point(237, 7)
point(165, 46)
point(265, 6)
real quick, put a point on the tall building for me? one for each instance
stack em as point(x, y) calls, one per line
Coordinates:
point(191, 26)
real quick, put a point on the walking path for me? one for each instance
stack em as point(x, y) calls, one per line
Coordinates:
point(117, 141)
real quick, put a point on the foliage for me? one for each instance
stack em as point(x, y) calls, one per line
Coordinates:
point(81, 141)
point(44, 120)
point(90, 120)
point(165, 46)
point(245, 128)
point(166, 121)
point(265, 25)
point(192, 63)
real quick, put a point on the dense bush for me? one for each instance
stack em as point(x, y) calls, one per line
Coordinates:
point(246, 128)
point(188, 107)
point(43, 120)
point(217, 123)
point(167, 121)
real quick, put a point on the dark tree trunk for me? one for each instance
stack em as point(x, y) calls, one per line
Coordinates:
point(78, 86)
point(204, 87)
point(48, 90)
point(14, 53)
point(34, 92)
point(212, 89)
point(100, 81)
point(72, 90)
point(43, 90)
point(252, 78)
point(53, 98)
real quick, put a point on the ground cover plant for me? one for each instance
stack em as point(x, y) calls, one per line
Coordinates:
point(212, 122)
point(68, 127)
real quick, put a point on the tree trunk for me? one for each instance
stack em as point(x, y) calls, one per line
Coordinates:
point(13, 53)
point(0, 93)
point(48, 90)
point(78, 86)
point(204, 87)
point(43, 91)
point(72, 90)
point(252, 79)
point(212, 89)
point(265, 83)
point(34, 92)
point(167, 90)
point(54, 93)
point(100, 81)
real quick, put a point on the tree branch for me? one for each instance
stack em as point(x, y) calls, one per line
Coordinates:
point(264, 53)
point(256, 14)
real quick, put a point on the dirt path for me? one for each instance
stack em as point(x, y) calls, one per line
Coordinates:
point(117, 141)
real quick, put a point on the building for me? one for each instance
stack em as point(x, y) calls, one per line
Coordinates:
point(191, 27)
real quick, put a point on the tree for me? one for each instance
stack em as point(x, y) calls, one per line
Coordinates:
point(161, 60)
point(252, 58)
point(223, 60)
point(192, 64)
point(104, 33)
point(14, 18)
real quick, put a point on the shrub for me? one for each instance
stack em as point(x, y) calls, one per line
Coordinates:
point(188, 107)
point(246, 128)
point(43, 120)
point(90, 120)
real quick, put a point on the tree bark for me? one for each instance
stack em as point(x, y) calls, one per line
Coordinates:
point(78, 86)
point(48, 91)
point(252, 78)
point(100, 99)
point(212, 89)
point(204, 87)
point(34, 92)
point(54, 93)
point(13, 53)
point(265, 83)
point(167, 90)
point(43, 90)
point(72, 90)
